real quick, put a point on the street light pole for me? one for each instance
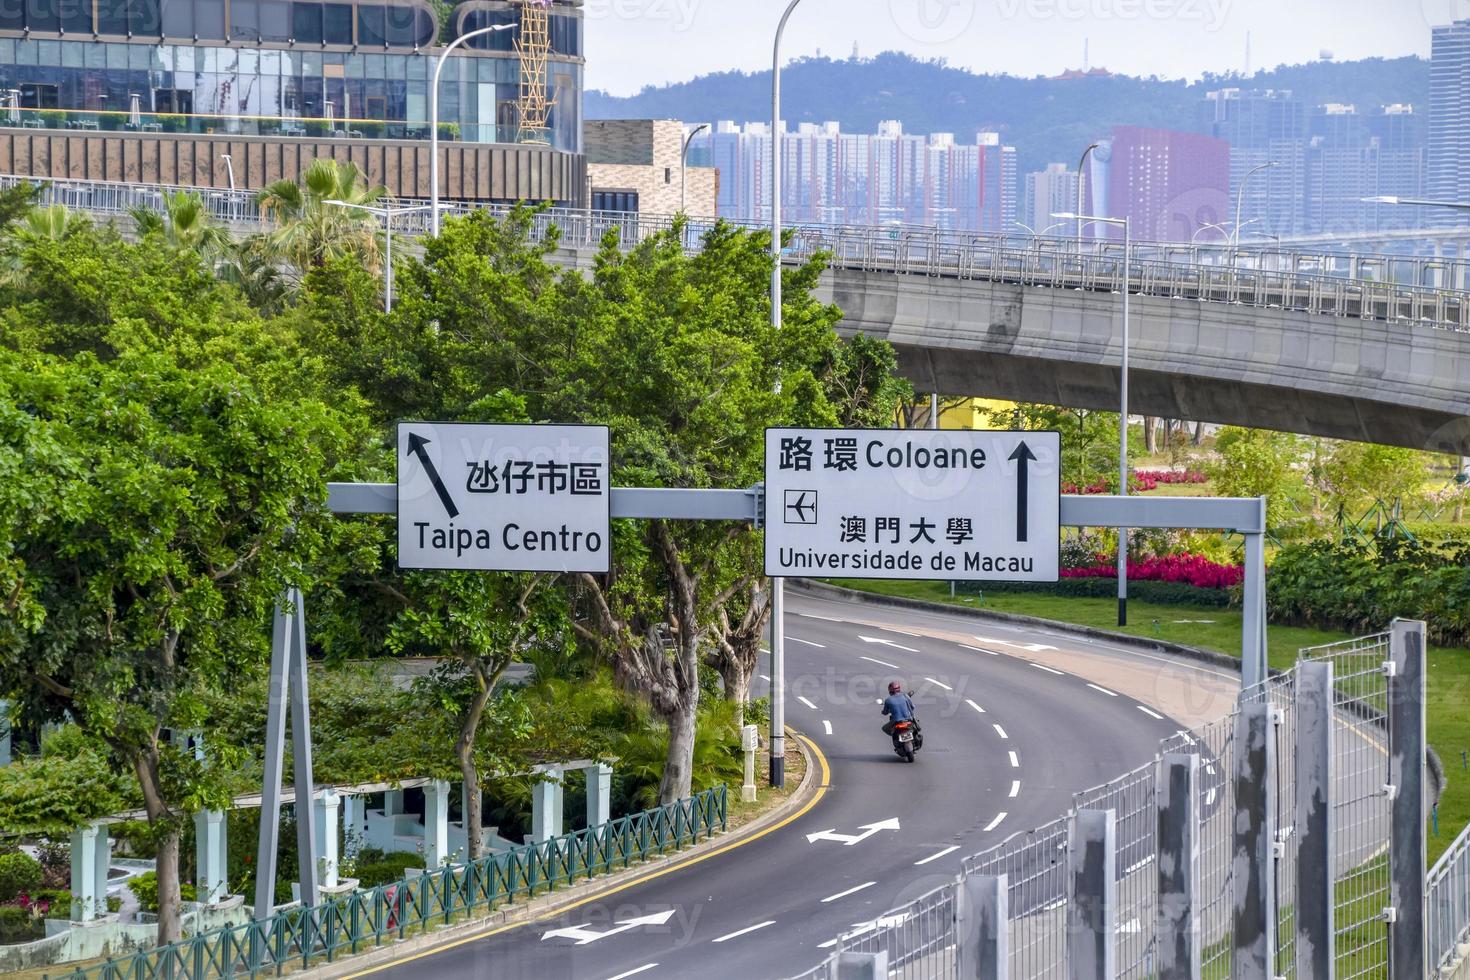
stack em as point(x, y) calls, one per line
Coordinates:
point(1123, 468)
point(434, 119)
point(1240, 197)
point(387, 214)
point(1081, 191)
point(778, 585)
point(684, 167)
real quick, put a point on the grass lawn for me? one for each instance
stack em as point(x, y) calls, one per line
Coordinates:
point(1219, 629)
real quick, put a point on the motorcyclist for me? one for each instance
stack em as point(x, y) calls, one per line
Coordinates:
point(898, 706)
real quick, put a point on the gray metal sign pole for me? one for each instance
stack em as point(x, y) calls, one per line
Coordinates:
point(288, 684)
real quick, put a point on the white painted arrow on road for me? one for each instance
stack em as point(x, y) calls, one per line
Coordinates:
point(868, 830)
point(886, 643)
point(1028, 647)
point(585, 934)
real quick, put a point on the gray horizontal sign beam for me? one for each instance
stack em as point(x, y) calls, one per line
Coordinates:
point(1245, 515)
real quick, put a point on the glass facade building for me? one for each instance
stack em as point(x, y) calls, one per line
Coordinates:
point(278, 68)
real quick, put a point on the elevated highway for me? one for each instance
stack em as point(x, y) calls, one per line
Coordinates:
point(1342, 345)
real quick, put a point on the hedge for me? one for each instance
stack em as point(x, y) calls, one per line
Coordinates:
point(1161, 593)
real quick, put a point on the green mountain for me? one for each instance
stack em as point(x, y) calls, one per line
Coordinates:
point(1047, 119)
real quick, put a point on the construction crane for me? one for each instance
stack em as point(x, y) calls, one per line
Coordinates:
point(533, 45)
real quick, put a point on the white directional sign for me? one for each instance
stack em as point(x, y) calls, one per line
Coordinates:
point(518, 498)
point(913, 504)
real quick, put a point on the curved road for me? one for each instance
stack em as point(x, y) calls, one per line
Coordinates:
point(1015, 722)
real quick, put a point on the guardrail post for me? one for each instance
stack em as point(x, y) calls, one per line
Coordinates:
point(1253, 852)
point(1316, 898)
point(984, 927)
point(1407, 855)
point(1176, 797)
point(1092, 908)
point(862, 966)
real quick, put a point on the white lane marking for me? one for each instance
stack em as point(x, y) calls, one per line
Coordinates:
point(826, 727)
point(848, 840)
point(978, 650)
point(995, 823)
point(850, 891)
point(887, 643)
point(806, 702)
point(1000, 731)
point(975, 706)
point(936, 857)
point(634, 972)
point(1103, 690)
point(827, 619)
point(1151, 713)
point(1030, 647)
point(939, 683)
point(766, 677)
point(740, 932)
point(797, 639)
point(875, 660)
point(895, 629)
point(1015, 788)
point(1046, 668)
point(831, 942)
point(586, 934)
point(1015, 761)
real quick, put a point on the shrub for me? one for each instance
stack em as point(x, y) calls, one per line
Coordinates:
point(385, 869)
point(145, 889)
point(1194, 570)
point(17, 925)
point(19, 872)
point(1161, 593)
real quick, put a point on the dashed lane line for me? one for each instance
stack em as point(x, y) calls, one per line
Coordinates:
point(975, 706)
point(880, 663)
point(939, 683)
point(1015, 788)
point(1103, 690)
point(978, 650)
point(806, 702)
point(826, 727)
point(741, 932)
point(1000, 731)
point(936, 857)
point(850, 891)
point(634, 972)
point(1015, 761)
point(1150, 712)
point(995, 823)
point(797, 639)
point(1046, 668)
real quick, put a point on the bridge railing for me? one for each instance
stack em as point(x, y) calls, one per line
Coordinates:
point(1448, 904)
point(300, 937)
point(1376, 288)
point(1050, 917)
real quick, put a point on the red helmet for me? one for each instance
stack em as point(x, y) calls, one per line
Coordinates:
point(894, 687)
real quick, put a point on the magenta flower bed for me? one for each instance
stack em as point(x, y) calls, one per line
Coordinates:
point(1194, 570)
point(1142, 482)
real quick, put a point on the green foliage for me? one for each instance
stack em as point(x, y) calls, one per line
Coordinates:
point(1162, 593)
point(1355, 474)
point(19, 872)
point(1089, 439)
point(1258, 463)
point(375, 868)
point(641, 752)
point(310, 232)
point(55, 794)
point(1363, 587)
point(18, 925)
point(145, 889)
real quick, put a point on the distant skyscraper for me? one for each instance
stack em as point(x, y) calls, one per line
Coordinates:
point(1168, 184)
point(1263, 127)
point(1351, 156)
point(1048, 192)
point(1448, 177)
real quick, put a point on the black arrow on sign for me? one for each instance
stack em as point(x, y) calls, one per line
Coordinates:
point(1022, 457)
point(416, 444)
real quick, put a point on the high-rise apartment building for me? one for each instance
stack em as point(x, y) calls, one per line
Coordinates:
point(1263, 127)
point(1048, 192)
point(1171, 185)
point(1351, 156)
point(1448, 175)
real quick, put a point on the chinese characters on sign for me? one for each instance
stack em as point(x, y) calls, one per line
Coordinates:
point(503, 497)
point(913, 504)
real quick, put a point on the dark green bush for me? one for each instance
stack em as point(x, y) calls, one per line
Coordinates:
point(1163, 593)
point(19, 872)
point(145, 888)
point(17, 925)
point(384, 869)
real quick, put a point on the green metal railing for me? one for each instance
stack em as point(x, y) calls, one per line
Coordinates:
point(300, 937)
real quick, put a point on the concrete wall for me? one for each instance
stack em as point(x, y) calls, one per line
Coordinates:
point(1394, 383)
point(475, 171)
point(644, 155)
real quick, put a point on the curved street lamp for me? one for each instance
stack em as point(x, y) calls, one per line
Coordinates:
point(1240, 195)
point(684, 166)
point(434, 119)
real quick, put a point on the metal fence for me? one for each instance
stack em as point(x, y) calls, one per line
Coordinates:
point(1045, 914)
point(300, 937)
point(1367, 287)
point(1447, 901)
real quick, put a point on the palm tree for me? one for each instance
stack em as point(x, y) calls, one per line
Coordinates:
point(250, 266)
point(185, 223)
point(54, 222)
point(309, 232)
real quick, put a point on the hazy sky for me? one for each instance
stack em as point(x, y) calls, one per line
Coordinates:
point(633, 43)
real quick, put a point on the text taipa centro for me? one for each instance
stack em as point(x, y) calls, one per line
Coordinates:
point(512, 538)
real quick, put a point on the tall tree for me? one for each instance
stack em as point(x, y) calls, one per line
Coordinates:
point(184, 223)
point(310, 228)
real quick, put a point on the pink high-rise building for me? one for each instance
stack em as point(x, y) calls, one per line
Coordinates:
point(1172, 186)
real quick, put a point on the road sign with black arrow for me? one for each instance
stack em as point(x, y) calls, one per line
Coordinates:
point(532, 498)
point(1022, 457)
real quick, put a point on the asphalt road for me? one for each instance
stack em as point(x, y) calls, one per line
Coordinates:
point(1015, 722)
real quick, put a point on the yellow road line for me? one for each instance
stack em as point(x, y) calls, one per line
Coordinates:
point(821, 791)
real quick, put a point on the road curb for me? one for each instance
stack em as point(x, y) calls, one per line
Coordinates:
point(545, 906)
point(1210, 657)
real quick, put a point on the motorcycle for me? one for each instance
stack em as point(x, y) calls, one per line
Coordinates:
point(907, 740)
